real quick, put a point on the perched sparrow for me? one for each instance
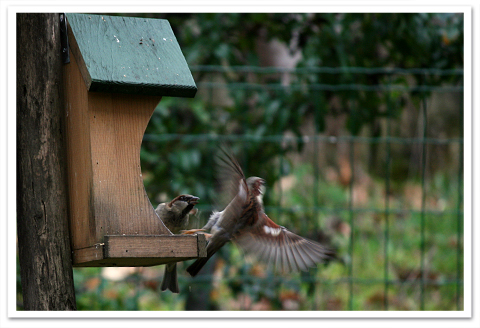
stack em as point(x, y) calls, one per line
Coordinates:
point(245, 223)
point(175, 217)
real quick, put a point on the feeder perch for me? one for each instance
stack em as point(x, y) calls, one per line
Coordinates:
point(119, 68)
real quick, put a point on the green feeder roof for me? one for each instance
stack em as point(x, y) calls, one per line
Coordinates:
point(129, 55)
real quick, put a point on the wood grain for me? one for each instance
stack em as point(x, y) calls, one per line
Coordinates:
point(104, 135)
point(88, 254)
point(42, 196)
point(177, 246)
point(82, 214)
point(141, 250)
point(130, 55)
point(117, 124)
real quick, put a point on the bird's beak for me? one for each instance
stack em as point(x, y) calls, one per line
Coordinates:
point(193, 200)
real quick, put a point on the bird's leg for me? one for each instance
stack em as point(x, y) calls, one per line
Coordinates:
point(191, 231)
point(194, 231)
point(207, 235)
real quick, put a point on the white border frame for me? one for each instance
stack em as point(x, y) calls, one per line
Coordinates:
point(8, 17)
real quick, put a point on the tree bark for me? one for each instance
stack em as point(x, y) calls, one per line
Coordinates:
point(42, 226)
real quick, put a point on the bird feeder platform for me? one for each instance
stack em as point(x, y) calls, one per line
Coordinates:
point(119, 70)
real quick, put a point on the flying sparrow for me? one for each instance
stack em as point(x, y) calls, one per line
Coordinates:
point(175, 215)
point(245, 222)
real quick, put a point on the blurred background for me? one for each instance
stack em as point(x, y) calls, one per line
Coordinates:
point(356, 123)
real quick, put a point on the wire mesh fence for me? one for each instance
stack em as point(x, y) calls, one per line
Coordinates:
point(420, 278)
point(391, 202)
point(426, 277)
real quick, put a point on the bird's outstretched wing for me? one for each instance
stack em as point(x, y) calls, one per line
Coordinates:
point(229, 177)
point(277, 246)
point(223, 225)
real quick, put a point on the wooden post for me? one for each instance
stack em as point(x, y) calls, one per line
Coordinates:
point(42, 226)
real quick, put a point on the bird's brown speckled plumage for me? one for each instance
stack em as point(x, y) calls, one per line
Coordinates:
point(245, 223)
point(175, 215)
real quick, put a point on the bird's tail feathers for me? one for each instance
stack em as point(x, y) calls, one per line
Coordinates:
point(170, 280)
point(212, 248)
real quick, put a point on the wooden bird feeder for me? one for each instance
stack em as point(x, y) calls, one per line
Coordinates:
point(120, 67)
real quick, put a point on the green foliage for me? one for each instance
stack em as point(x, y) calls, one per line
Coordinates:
point(240, 283)
point(261, 105)
point(366, 40)
point(254, 112)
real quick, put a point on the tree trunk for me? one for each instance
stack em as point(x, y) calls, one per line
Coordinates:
point(42, 226)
